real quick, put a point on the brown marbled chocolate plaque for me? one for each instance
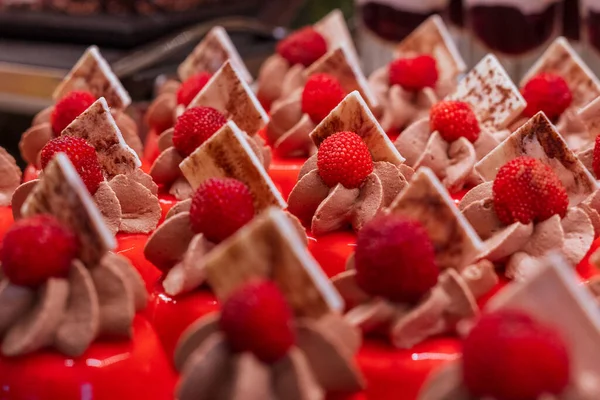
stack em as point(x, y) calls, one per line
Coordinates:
point(334, 29)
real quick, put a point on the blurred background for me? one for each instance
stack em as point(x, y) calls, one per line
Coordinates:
point(144, 39)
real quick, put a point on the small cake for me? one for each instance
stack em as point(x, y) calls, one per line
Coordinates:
point(355, 173)
point(464, 127)
point(283, 72)
point(70, 304)
point(279, 333)
point(226, 97)
point(425, 70)
point(90, 79)
point(545, 334)
point(230, 187)
point(193, 73)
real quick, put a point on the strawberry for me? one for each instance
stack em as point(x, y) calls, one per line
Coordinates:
point(510, 356)
point(194, 127)
point(321, 94)
point(257, 318)
point(344, 158)
point(596, 160)
point(413, 73)
point(548, 93)
point(82, 155)
point(191, 87)
point(304, 46)
point(37, 248)
point(68, 108)
point(453, 120)
point(395, 259)
point(527, 190)
point(220, 207)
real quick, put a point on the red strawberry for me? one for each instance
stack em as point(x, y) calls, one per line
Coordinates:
point(596, 161)
point(321, 94)
point(257, 318)
point(82, 155)
point(527, 190)
point(191, 87)
point(344, 158)
point(510, 356)
point(37, 248)
point(194, 127)
point(453, 120)
point(304, 46)
point(413, 73)
point(68, 108)
point(395, 259)
point(548, 93)
point(220, 207)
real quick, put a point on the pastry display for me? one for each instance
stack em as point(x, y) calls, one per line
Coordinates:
point(90, 79)
point(64, 293)
point(425, 71)
point(464, 126)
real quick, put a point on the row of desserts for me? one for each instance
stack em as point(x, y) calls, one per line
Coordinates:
point(347, 110)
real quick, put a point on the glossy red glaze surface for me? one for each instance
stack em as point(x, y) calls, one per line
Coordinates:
point(132, 247)
point(170, 315)
point(586, 269)
point(6, 220)
point(284, 172)
point(332, 250)
point(118, 370)
point(30, 173)
point(151, 147)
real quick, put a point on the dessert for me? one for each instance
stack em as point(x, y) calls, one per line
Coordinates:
point(550, 314)
point(533, 23)
point(311, 98)
point(194, 72)
point(299, 348)
point(230, 187)
point(537, 196)
point(64, 299)
point(413, 276)
point(562, 85)
point(90, 79)
point(283, 72)
point(343, 186)
point(486, 102)
point(225, 97)
point(426, 70)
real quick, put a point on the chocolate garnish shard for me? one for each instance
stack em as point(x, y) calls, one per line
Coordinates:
point(15, 301)
point(269, 247)
point(194, 336)
point(81, 323)
point(353, 114)
point(62, 193)
point(491, 93)
point(433, 38)
point(590, 115)
point(10, 177)
point(340, 64)
point(334, 29)
point(228, 154)
point(538, 138)
point(561, 59)
point(425, 199)
point(228, 93)
point(93, 74)
point(210, 54)
point(98, 127)
point(35, 329)
point(554, 295)
point(293, 378)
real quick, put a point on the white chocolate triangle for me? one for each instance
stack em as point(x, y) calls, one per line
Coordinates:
point(270, 247)
point(426, 200)
point(590, 115)
point(61, 193)
point(353, 115)
point(334, 29)
point(561, 59)
point(93, 74)
point(210, 55)
point(228, 154)
point(491, 93)
point(228, 93)
point(538, 138)
point(98, 127)
point(432, 37)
